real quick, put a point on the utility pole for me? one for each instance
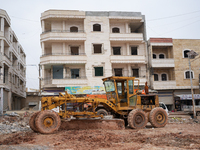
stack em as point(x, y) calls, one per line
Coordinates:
point(191, 55)
point(39, 80)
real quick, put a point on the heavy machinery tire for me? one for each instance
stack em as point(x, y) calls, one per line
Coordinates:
point(137, 119)
point(47, 121)
point(198, 113)
point(158, 117)
point(102, 112)
point(32, 121)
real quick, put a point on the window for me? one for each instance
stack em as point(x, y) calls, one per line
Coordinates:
point(164, 77)
point(73, 29)
point(133, 50)
point(74, 50)
point(154, 56)
point(96, 27)
point(118, 72)
point(161, 56)
point(135, 72)
point(155, 77)
point(115, 30)
point(57, 72)
point(187, 74)
point(98, 71)
point(116, 50)
point(74, 73)
point(97, 48)
point(185, 53)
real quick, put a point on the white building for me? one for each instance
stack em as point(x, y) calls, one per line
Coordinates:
point(80, 48)
point(12, 66)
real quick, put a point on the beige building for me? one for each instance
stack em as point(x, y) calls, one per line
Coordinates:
point(169, 65)
point(12, 66)
point(79, 48)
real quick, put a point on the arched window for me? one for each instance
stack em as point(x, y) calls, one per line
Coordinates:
point(161, 56)
point(115, 30)
point(96, 27)
point(155, 77)
point(73, 29)
point(185, 55)
point(164, 77)
point(187, 74)
point(154, 56)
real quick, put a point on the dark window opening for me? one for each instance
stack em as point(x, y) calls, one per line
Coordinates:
point(74, 73)
point(74, 51)
point(97, 48)
point(155, 77)
point(187, 74)
point(57, 72)
point(135, 72)
point(134, 51)
point(118, 72)
point(116, 50)
point(115, 30)
point(185, 53)
point(73, 29)
point(154, 56)
point(164, 77)
point(98, 71)
point(161, 56)
point(96, 27)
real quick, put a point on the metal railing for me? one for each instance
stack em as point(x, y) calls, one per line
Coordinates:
point(67, 54)
point(63, 31)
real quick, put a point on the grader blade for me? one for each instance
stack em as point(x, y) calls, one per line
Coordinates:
point(108, 124)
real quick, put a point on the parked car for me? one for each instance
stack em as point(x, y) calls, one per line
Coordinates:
point(161, 104)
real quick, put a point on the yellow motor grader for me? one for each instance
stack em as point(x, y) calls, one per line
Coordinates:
point(124, 101)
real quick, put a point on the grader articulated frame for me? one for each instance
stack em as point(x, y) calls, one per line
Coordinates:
point(123, 101)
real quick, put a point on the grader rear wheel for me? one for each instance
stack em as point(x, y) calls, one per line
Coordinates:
point(47, 122)
point(158, 117)
point(137, 119)
point(32, 121)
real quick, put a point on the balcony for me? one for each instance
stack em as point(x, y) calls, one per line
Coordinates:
point(138, 59)
point(49, 82)
point(63, 58)
point(157, 63)
point(63, 35)
point(126, 37)
point(159, 85)
point(7, 59)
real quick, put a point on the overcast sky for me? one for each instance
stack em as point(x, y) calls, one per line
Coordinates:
point(178, 19)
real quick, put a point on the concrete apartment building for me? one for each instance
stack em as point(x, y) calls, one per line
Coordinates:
point(170, 75)
point(79, 48)
point(12, 66)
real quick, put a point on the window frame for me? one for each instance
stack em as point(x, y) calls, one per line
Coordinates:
point(136, 50)
point(189, 73)
point(184, 52)
point(166, 76)
point(101, 48)
point(116, 47)
point(163, 55)
point(93, 27)
point(73, 31)
point(115, 28)
point(138, 72)
point(95, 71)
point(155, 55)
point(154, 77)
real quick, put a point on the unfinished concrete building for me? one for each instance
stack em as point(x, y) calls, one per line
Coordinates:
point(12, 66)
point(79, 48)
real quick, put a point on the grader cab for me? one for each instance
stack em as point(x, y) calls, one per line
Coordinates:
point(124, 101)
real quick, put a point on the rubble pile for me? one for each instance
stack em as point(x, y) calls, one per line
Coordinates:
point(14, 122)
point(183, 120)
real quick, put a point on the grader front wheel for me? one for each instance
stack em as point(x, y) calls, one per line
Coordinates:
point(47, 122)
point(158, 117)
point(32, 121)
point(137, 119)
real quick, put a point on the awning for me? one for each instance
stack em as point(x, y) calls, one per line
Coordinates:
point(188, 96)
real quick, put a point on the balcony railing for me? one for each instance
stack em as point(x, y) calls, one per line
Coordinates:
point(167, 62)
point(68, 54)
point(63, 31)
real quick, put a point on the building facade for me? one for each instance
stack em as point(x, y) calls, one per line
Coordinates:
point(80, 48)
point(12, 66)
point(169, 65)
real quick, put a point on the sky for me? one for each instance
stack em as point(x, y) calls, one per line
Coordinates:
point(178, 19)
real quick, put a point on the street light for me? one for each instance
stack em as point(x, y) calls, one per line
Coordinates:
point(191, 55)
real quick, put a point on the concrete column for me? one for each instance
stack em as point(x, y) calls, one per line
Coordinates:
point(2, 47)
point(127, 28)
point(64, 26)
point(63, 48)
point(2, 24)
point(43, 48)
point(43, 26)
point(64, 71)
point(127, 48)
point(9, 100)
point(129, 70)
point(1, 102)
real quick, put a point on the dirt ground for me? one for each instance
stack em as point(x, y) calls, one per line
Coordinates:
point(172, 136)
